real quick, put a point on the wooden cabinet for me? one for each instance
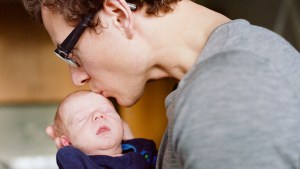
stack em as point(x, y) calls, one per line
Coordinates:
point(147, 119)
point(29, 70)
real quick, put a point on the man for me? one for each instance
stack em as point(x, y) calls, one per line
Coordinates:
point(237, 103)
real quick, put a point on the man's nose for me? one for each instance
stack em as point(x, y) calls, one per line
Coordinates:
point(99, 115)
point(79, 76)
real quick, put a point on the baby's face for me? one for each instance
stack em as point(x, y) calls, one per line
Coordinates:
point(93, 124)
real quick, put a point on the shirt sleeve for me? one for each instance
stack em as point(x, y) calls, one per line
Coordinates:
point(70, 158)
point(234, 112)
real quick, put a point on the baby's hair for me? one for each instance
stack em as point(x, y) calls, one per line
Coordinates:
point(59, 126)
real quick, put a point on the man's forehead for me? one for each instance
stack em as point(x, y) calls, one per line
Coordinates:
point(55, 25)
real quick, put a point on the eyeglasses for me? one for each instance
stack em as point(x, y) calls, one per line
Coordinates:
point(65, 48)
point(63, 51)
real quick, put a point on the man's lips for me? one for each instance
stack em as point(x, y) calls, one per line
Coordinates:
point(102, 129)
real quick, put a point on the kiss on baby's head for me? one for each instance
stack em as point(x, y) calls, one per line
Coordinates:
point(89, 122)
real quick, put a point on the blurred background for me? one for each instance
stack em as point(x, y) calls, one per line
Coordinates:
point(33, 80)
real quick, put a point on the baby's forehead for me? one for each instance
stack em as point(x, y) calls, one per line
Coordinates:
point(82, 95)
point(79, 99)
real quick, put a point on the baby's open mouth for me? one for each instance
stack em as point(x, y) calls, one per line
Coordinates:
point(102, 129)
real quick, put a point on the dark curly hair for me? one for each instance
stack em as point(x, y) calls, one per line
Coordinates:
point(74, 10)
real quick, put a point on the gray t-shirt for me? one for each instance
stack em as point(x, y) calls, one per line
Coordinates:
point(239, 105)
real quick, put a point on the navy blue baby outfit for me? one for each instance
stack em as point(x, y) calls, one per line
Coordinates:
point(138, 154)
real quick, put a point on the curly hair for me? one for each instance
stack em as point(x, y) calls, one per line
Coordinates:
point(74, 10)
point(59, 126)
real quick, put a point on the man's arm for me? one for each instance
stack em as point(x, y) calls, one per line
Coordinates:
point(238, 114)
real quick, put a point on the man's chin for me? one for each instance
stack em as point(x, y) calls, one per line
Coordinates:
point(127, 102)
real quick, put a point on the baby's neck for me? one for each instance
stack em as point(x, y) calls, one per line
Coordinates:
point(113, 152)
point(117, 155)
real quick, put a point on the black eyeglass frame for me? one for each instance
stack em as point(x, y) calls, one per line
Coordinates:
point(65, 48)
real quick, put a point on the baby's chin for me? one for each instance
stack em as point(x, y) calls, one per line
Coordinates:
point(100, 145)
point(108, 151)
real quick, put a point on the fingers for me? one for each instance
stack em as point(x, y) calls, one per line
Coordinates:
point(127, 131)
point(50, 132)
point(58, 143)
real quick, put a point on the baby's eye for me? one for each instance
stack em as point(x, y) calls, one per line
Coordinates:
point(80, 120)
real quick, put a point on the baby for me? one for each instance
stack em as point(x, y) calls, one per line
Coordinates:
point(92, 133)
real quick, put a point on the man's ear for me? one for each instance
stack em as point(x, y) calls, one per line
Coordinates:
point(122, 14)
point(65, 141)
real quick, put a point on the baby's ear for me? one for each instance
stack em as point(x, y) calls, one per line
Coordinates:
point(65, 141)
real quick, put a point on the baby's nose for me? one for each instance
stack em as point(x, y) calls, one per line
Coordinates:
point(99, 115)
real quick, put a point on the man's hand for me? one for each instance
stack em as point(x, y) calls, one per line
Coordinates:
point(127, 131)
point(50, 132)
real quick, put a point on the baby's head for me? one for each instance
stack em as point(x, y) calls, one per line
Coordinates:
point(89, 122)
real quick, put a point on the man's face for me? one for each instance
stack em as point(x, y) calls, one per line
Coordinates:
point(110, 62)
point(92, 123)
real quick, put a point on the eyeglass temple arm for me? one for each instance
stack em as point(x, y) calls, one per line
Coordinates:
point(132, 6)
point(70, 40)
point(78, 30)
